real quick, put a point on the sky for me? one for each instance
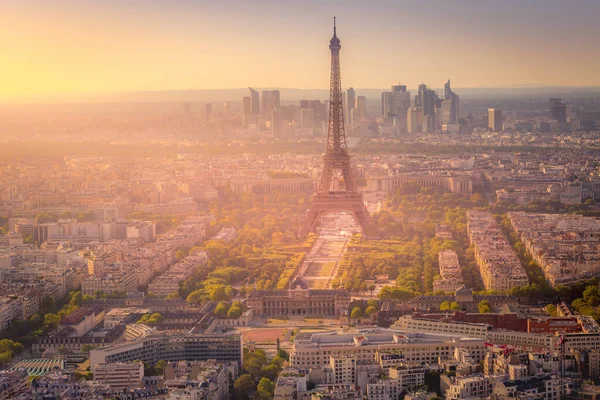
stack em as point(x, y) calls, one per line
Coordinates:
point(84, 46)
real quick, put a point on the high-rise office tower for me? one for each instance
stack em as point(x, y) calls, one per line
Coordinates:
point(400, 100)
point(208, 111)
point(304, 104)
point(266, 102)
point(227, 108)
point(412, 119)
point(450, 112)
point(247, 111)
point(558, 110)
point(426, 99)
point(255, 102)
point(307, 118)
point(277, 125)
point(386, 104)
point(350, 99)
point(276, 98)
point(361, 106)
point(320, 110)
point(494, 120)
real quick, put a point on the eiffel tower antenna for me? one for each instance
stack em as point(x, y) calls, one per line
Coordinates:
point(336, 158)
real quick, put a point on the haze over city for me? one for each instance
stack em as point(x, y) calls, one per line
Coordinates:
point(299, 200)
point(113, 46)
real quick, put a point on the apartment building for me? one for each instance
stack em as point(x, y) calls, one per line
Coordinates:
point(450, 276)
point(499, 266)
point(314, 349)
point(222, 348)
point(566, 247)
point(119, 375)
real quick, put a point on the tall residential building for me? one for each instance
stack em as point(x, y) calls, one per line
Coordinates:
point(412, 119)
point(254, 102)
point(494, 119)
point(247, 111)
point(450, 106)
point(558, 110)
point(277, 125)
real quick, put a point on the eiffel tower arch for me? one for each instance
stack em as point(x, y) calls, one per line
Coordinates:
point(336, 159)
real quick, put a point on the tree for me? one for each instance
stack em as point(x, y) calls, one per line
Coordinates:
point(76, 299)
point(484, 307)
point(244, 384)
point(445, 306)
point(270, 371)
point(454, 306)
point(372, 288)
point(265, 389)
point(370, 310)
point(221, 309)
point(236, 310)
point(51, 321)
point(551, 309)
point(160, 367)
point(356, 313)
point(281, 353)
point(47, 304)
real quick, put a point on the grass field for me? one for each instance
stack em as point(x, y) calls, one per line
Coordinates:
point(317, 283)
point(320, 269)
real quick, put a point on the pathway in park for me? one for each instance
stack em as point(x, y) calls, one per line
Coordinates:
point(321, 264)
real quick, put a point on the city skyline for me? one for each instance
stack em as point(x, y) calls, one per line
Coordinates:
point(93, 47)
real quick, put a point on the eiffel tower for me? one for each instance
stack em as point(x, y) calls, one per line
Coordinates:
point(336, 158)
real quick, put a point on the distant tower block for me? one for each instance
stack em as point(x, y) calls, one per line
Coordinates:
point(336, 159)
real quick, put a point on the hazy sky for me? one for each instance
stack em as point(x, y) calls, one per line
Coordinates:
point(58, 46)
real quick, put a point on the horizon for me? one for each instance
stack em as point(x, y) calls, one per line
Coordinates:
point(66, 49)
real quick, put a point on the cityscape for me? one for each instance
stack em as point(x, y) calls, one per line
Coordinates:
point(289, 241)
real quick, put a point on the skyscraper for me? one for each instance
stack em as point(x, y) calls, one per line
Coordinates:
point(350, 99)
point(361, 105)
point(277, 125)
point(412, 119)
point(400, 100)
point(255, 102)
point(307, 118)
point(276, 98)
point(269, 99)
point(246, 111)
point(266, 102)
point(494, 120)
point(558, 110)
point(450, 106)
point(386, 104)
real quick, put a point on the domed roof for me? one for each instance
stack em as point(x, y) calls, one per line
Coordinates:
point(299, 283)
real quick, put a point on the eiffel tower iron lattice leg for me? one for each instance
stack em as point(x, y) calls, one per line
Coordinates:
point(336, 159)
